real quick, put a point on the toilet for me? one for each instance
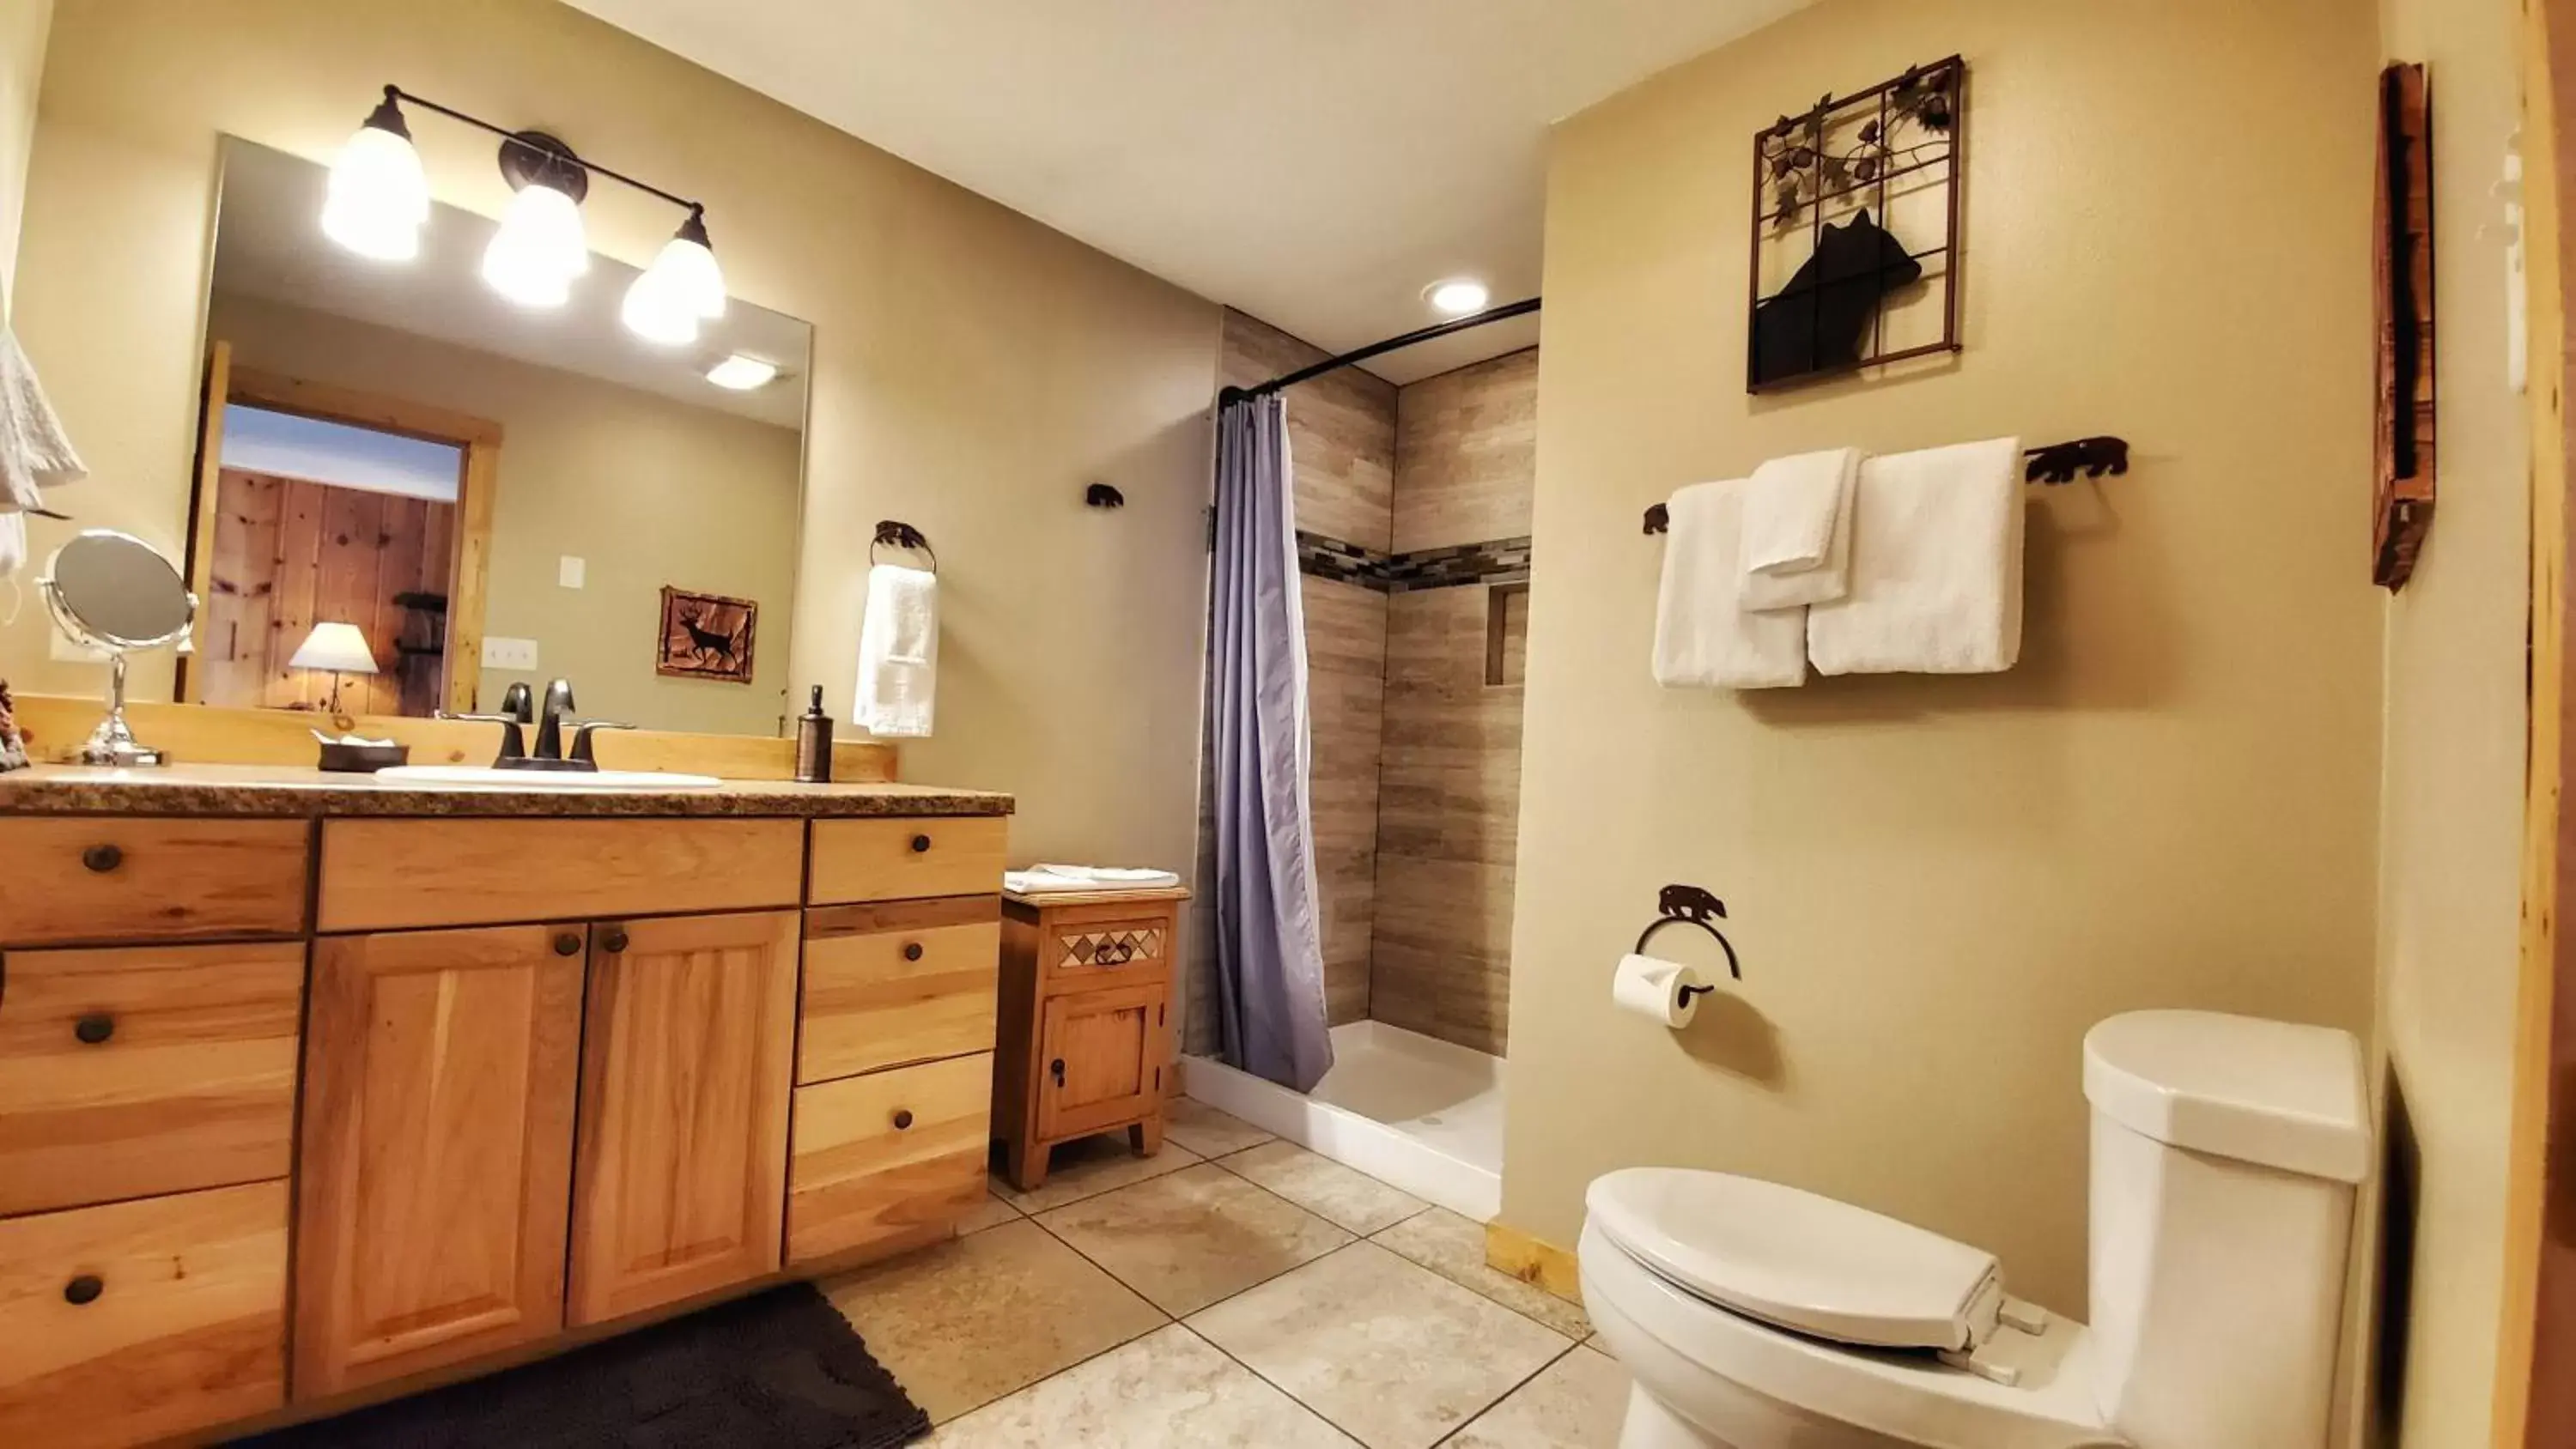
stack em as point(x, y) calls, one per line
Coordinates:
point(2225, 1155)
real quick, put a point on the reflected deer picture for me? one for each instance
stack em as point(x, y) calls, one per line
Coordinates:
point(706, 636)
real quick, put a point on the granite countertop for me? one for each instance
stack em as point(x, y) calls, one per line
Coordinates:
point(283, 791)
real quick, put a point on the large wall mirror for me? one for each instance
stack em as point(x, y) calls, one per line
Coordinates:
point(487, 493)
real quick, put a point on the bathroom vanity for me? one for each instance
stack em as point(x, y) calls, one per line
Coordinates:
point(315, 1090)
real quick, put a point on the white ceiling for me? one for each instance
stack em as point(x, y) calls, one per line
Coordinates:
point(269, 244)
point(1316, 163)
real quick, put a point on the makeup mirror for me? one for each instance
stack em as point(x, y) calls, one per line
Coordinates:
point(115, 593)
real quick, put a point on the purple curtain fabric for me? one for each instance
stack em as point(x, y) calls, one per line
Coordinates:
point(1269, 945)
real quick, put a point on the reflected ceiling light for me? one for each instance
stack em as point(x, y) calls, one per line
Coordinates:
point(1458, 296)
point(378, 196)
point(741, 373)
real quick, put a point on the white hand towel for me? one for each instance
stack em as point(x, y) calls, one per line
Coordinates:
point(1044, 877)
point(898, 652)
point(1703, 633)
point(34, 454)
point(1797, 530)
point(1935, 567)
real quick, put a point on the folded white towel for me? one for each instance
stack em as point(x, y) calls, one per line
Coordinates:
point(34, 454)
point(1935, 567)
point(1052, 878)
point(1703, 634)
point(898, 652)
point(1114, 876)
point(1797, 529)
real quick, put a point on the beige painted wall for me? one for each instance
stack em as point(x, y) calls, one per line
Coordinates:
point(2451, 820)
point(23, 26)
point(972, 369)
point(1938, 885)
point(645, 491)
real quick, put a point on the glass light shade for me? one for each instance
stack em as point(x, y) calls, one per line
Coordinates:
point(690, 272)
point(539, 248)
point(654, 311)
point(336, 647)
point(378, 196)
point(1459, 296)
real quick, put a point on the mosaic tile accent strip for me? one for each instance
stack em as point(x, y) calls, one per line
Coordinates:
point(1110, 948)
point(1497, 560)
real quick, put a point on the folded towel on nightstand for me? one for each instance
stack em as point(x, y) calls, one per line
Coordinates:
point(1047, 878)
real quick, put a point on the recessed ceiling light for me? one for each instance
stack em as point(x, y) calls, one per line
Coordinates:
point(741, 373)
point(1458, 296)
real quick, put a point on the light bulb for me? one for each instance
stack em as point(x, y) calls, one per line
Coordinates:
point(1458, 296)
point(378, 196)
point(741, 373)
point(538, 250)
point(655, 313)
point(687, 268)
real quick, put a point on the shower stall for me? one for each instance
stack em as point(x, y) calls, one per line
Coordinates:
point(1412, 520)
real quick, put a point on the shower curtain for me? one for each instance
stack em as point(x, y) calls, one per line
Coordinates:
point(1269, 945)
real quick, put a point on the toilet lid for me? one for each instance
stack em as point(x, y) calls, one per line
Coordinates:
point(1799, 1261)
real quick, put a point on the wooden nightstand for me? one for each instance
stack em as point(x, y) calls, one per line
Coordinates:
point(1084, 1039)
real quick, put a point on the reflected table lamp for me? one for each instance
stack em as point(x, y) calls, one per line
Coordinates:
point(339, 648)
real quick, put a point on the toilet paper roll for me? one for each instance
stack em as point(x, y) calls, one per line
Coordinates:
point(1653, 988)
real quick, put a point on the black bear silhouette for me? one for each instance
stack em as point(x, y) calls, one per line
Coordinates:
point(1689, 903)
point(1815, 323)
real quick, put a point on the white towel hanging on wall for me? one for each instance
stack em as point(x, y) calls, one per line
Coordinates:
point(898, 653)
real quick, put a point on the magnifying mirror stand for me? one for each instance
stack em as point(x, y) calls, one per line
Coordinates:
point(113, 742)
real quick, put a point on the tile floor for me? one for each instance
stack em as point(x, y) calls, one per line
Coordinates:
point(1233, 1290)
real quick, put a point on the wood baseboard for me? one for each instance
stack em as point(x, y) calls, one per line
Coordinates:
point(1532, 1260)
point(197, 734)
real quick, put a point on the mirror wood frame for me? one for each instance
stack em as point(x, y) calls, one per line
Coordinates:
point(469, 570)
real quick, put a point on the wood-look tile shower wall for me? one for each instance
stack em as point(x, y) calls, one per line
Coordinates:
point(1416, 758)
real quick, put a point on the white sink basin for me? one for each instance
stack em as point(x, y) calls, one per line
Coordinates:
point(484, 777)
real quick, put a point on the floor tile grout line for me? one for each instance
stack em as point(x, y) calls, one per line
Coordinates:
point(1581, 1339)
point(1505, 1396)
point(1195, 1160)
point(1284, 1391)
point(1425, 1206)
point(1168, 1321)
point(1237, 1293)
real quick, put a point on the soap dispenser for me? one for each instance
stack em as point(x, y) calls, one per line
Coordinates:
point(814, 742)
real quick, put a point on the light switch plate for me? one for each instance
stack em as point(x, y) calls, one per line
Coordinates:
point(501, 653)
point(569, 571)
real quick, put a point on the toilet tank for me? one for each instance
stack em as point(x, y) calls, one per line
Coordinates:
point(2226, 1152)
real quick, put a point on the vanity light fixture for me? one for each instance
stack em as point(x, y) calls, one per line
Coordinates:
point(741, 373)
point(379, 198)
point(1458, 296)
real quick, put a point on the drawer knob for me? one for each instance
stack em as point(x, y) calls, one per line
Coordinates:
point(103, 858)
point(83, 1289)
point(613, 940)
point(567, 943)
point(920, 844)
point(902, 1119)
point(94, 1028)
point(912, 950)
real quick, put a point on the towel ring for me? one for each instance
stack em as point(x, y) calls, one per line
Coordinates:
point(901, 535)
point(1688, 905)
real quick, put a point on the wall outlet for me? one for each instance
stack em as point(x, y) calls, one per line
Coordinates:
point(569, 571)
point(500, 653)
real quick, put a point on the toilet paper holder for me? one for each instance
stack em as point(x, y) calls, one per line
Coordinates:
point(1688, 905)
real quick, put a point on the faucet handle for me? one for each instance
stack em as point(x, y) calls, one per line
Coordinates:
point(581, 738)
point(514, 745)
point(519, 704)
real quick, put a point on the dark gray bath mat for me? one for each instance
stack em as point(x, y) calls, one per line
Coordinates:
point(782, 1370)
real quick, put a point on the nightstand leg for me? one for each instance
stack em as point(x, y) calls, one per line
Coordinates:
point(1026, 1164)
point(1146, 1137)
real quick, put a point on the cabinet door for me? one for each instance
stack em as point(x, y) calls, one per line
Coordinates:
point(680, 1176)
point(439, 1069)
point(1100, 1060)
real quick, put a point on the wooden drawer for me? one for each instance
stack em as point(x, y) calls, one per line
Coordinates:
point(885, 985)
point(399, 874)
point(136, 878)
point(180, 1323)
point(1087, 948)
point(887, 1158)
point(896, 860)
point(153, 1069)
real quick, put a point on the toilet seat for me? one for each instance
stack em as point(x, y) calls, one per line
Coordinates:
point(1800, 1261)
point(1667, 1333)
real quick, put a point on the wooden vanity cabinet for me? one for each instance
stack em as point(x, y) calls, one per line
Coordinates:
point(439, 1074)
point(680, 1176)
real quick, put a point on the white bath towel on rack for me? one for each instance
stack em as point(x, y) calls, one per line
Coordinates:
point(1704, 635)
point(1936, 567)
point(898, 653)
point(1797, 530)
point(34, 453)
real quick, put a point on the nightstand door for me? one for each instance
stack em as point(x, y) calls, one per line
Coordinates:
point(1100, 1060)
